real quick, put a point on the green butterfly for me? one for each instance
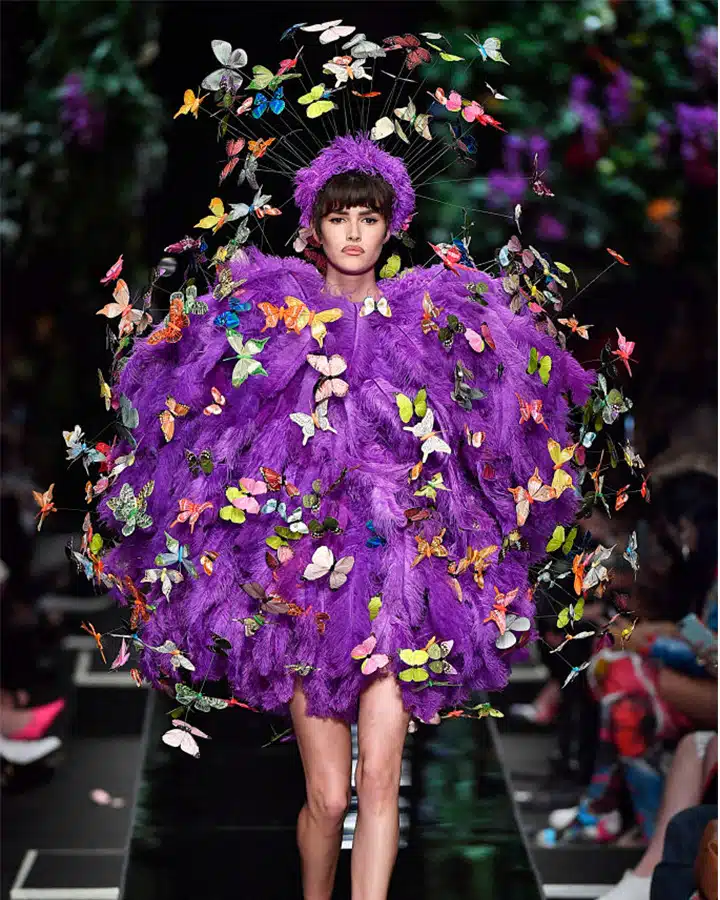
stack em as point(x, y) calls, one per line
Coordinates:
point(476, 289)
point(609, 404)
point(573, 612)
point(264, 79)
point(540, 364)
point(559, 540)
point(437, 653)
point(188, 697)
point(407, 407)
point(391, 267)
point(374, 606)
point(245, 365)
point(430, 488)
point(316, 101)
point(190, 302)
point(132, 510)
point(233, 513)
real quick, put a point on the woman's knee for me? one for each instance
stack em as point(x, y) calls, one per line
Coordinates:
point(377, 783)
point(328, 803)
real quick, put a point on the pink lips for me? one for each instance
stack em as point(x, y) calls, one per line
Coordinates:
point(353, 251)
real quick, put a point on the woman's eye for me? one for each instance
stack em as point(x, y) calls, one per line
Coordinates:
point(371, 220)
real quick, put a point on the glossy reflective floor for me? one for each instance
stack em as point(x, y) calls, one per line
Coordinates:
point(223, 826)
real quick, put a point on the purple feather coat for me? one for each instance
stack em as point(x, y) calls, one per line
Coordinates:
point(384, 356)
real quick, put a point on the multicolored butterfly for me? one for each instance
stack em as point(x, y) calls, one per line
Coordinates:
point(166, 577)
point(246, 364)
point(574, 326)
point(297, 316)
point(345, 69)
point(536, 492)
point(201, 462)
point(499, 609)
point(479, 560)
point(312, 422)
point(132, 510)
point(275, 482)
point(78, 449)
point(216, 407)
point(189, 511)
point(177, 555)
point(178, 660)
point(131, 319)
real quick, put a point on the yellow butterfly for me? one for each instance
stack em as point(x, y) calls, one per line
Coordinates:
point(406, 406)
point(416, 660)
point(105, 390)
point(191, 104)
point(297, 316)
point(561, 479)
point(430, 488)
point(427, 549)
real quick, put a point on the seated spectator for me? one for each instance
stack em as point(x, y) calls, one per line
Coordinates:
point(683, 865)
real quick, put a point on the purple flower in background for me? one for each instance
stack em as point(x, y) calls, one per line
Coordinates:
point(540, 145)
point(513, 147)
point(505, 188)
point(83, 119)
point(698, 126)
point(589, 115)
point(663, 133)
point(550, 229)
point(704, 55)
point(618, 95)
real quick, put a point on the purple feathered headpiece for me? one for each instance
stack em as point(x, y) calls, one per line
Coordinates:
point(346, 154)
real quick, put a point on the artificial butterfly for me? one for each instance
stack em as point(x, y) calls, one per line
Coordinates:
point(317, 101)
point(538, 185)
point(246, 364)
point(191, 104)
point(345, 68)
point(540, 364)
point(371, 305)
point(329, 384)
point(78, 449)
point(131, 319)
point(177, 320)
point(184, 737)
point(536, 492)
point(414, 53)
point(132, 510)
point(311, 422)
point(531, 410)
point(479, 560)
point(45, 501)
point(329, 31)
point(228, 76)
point(178, 659)
point(275, 482)
point(324, 563)
point(371, 661)
point(375, 540)
point(216, 407)
point(630, 552)
point(406, 406)
point(427, 549)
point(575, 327)
point(232, 149)
point(167, 578)
point(167, 416)
point(177, 555)
point(625, 348)
point(560, 540)
point(114, 271)
point(275, 104)
point(513, 623)
point(297, 316)
point(489, 48)
point(499, 609)
point(429, 440)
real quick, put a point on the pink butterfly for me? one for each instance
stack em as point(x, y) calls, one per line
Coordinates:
point(625, 348)
point(329, 384)
point(371, 661)
point(453, 102)
point(475, 340)
point(114, 271)
point(122, 657)
point(252, 489)
point(190, 512)
point(130, 318)
point(183, 738)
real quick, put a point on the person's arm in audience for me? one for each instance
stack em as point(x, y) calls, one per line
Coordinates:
point(697, 698)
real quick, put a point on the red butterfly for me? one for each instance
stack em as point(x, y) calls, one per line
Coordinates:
point(415, 54)
point(177, 320)
point(232, 148)
point(499, 610)
point(616, 256)
point(275, 482)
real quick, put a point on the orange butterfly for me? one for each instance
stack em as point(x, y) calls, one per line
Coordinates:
point(478, 559)
point(167, 416)
point(536, 492)
point(188, 511)
point(366, 96)
point(191, 104)
point(266, 210)
point(273, 315)
point(259, 148)
point(499, 610)
point(207, 561)
point(625, 348)
point(275, 482)
point(427, 549)
point(298, 316)
point(177, 320)
point(45, 502)
point(218, 218)
point(578, 568)
point(531, 410)
point(215, 408)
point(575, 327)
point(430, 313)
point(621, 498)
point(140, 610)
point(130, 318)
point(90, 628)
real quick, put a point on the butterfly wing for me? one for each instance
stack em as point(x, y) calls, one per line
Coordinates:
point(307, 424)
point(340, 572)
point(322, 563)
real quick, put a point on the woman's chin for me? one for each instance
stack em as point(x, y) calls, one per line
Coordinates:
point(353, 265)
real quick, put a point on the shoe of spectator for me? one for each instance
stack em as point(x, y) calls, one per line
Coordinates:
point(24, 753)
point(632, 887)
point(579, 825)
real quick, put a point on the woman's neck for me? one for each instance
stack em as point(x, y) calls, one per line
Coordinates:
point(355, 287)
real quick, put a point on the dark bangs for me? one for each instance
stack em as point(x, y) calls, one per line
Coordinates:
point(355, 188)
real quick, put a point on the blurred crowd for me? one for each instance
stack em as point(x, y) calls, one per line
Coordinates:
point(636, 757)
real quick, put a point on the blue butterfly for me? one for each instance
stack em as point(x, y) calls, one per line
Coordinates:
point(375, 539)
point(465, 257)
point(291, 30)
point(276, 103)
point(465, 143)
point(230, 318)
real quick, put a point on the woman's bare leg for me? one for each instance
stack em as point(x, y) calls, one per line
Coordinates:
point(382, 726)
point(683, 789)
point(326, 756)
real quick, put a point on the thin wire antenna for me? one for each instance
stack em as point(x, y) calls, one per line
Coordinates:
point(485, 212)
point(388, 105)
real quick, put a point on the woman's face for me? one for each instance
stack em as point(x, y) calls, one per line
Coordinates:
point(353, 239)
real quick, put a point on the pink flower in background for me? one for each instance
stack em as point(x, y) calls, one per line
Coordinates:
point(83, 120)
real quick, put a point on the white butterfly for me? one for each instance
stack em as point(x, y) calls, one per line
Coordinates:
point(343, 72)
point(360, 48)
point(512, 623)
point(324, 563)
point(231, 60)
point(242, 209)
point(331, 31)
point(575, 637)
point(430, 442)
point(329, 385)
point(496, 94)
point(177, 658)
point(384, 127)
point(295, 523)
point(371, 305)
point(310, 422)
point(183, 738)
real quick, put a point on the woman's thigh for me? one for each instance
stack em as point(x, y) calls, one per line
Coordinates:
point(382, 727)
